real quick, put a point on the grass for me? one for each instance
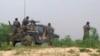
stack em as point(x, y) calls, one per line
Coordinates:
point(84, 50)
point(98, 50)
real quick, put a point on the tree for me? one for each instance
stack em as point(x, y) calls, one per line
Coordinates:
point(94, 35)
point(4, 30)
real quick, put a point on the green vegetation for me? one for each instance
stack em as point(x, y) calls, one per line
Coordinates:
point(67, 41)
point(85, 50)
point(98, 50)
point(91, 42)
point(4, 30)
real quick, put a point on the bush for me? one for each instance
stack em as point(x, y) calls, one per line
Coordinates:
point(85, 50)
point(62, 42)
point(56, 42)
point(4, 30)
point(67, 41)
point(78, 43)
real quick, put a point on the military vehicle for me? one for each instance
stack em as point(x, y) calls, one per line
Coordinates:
point(33, 37)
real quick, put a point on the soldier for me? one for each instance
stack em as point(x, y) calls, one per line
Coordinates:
point(25, 23)
point(86, 29)
point(49, 29)
point(16, 25)
point(49, 32)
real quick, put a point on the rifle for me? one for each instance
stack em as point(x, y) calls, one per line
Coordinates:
point(11, 26)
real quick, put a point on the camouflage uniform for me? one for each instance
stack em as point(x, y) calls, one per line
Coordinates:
point(49, 33)
point(27, 40)
point(16, 25)
point(25, 23)
point(86, 31)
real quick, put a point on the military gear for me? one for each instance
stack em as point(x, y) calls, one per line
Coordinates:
point(33, 22)
point(27, 41)
point(33, 34)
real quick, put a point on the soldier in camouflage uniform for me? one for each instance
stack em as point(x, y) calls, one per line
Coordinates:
point(49, 32)
point(16, 25)
point(25, 22)
point(86, 29)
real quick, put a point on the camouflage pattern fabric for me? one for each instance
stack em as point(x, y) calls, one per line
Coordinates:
point(27, 41)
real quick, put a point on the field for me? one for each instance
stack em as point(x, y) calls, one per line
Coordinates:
point(50, 51)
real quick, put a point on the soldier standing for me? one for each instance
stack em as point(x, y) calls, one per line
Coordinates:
point(16, 25)
point(86, 29)
point(49, 32)
point(25, 22)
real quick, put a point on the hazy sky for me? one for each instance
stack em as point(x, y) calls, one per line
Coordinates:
point(66, 16)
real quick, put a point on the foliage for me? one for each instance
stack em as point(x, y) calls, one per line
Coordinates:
point(85, 50)
point(56, 42)
point(67, 41)
point(4, 30)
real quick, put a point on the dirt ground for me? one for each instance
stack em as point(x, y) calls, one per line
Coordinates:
point(72, 51)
